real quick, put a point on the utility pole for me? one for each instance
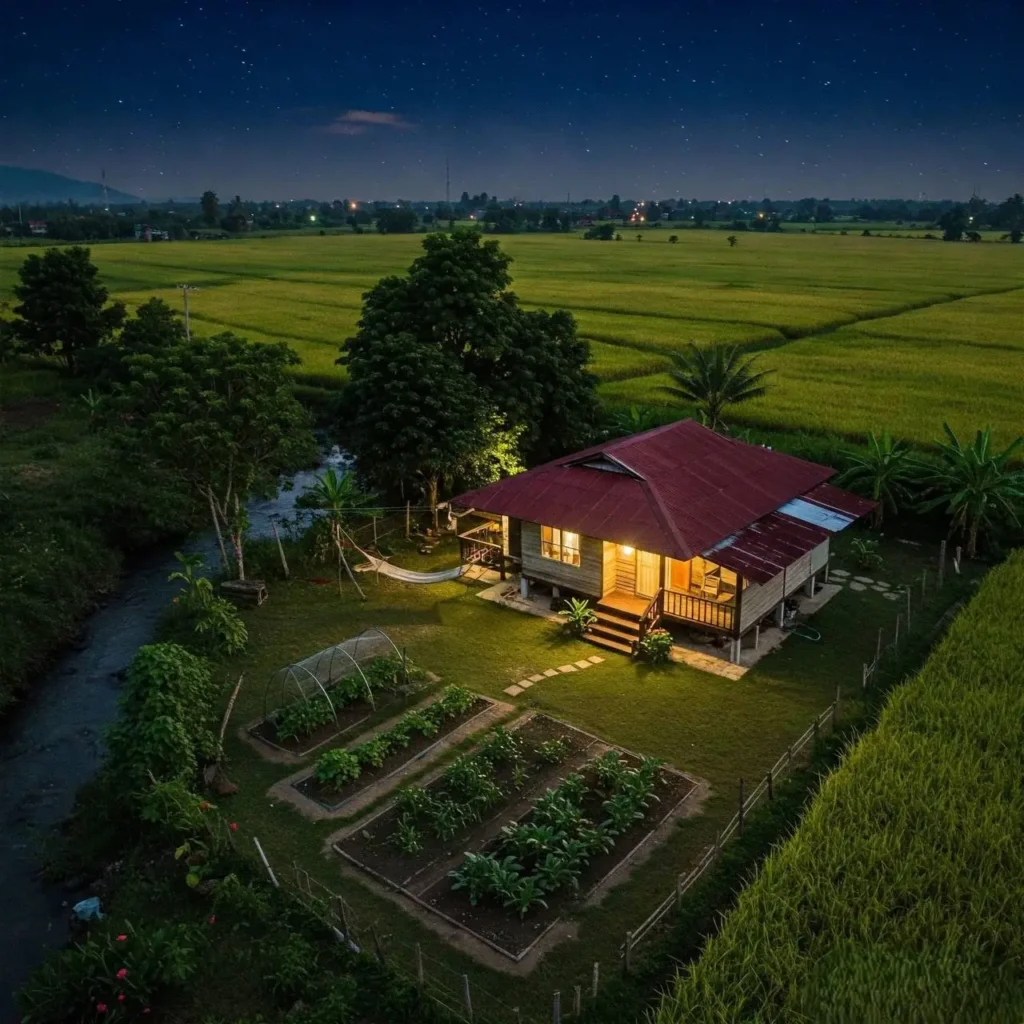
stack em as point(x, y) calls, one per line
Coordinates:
point(106, 197)
point(448, 193)
point(185, 289)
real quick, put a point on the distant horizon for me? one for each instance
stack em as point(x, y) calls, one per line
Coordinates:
point(228, 194)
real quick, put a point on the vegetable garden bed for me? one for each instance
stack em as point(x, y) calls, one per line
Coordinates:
point(307, 724)
point(342, 773)
point(511, 837)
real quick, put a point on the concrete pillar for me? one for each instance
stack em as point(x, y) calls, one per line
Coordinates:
point(555, 593)
point(524, 588)
point(780, 611)
point(757, 635)
point(809, 587)
point(825, 579)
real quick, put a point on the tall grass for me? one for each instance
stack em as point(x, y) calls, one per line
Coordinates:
point(899, 897)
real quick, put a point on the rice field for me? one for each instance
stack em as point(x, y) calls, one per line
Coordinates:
point(864, 333)
point(898, 898)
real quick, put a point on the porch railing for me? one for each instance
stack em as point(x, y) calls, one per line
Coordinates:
point(698, 609)
point(477, 549)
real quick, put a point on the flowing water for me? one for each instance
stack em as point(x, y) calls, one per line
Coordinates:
point(53, 742)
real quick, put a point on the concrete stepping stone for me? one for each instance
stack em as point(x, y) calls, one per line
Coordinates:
point(841, 573)
point(867, 580)
point(882, 584)
point(878, 589)
point(512, 691)
point(551, 672)
point(890, 596)
point(857, 586)
point(595, 659)
point(536, 679)
point(524, 684)
point(567, 668)
point(583, 663)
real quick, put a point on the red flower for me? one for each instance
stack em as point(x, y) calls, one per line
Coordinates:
point(122, 938)
point(121, 998)
point(101, 1007)
point(233, 826)
point(123, 973)
point(213, 919)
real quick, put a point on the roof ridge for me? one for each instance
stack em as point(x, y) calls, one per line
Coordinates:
point(661, 512)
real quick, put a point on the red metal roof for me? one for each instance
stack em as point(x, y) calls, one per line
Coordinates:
point(676, 490)
point(761, 551)
point(840, 501)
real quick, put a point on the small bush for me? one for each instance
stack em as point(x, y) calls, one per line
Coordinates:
point(656, 646)
point(579, 616)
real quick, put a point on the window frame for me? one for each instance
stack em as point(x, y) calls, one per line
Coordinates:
point(562, 546)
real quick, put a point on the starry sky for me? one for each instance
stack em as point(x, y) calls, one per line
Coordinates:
point(717, 99)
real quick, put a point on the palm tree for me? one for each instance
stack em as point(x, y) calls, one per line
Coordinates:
point(713, 378)
point(886, 473)
point(976, 485)
point(343, 501)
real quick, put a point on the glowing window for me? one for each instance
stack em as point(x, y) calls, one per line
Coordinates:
point(560, 545)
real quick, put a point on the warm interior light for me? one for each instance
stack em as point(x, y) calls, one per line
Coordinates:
point(626, 549)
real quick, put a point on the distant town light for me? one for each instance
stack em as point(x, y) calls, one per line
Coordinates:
point(312, 216)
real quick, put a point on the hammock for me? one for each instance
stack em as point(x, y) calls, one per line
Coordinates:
point(381, 565)
point(409, 576)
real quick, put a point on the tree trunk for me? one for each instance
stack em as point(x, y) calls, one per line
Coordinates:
point(432, 486)
point(237, 530)
point(972, 538)
point(216, 527)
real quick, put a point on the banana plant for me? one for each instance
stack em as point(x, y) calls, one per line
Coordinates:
point(579, 616)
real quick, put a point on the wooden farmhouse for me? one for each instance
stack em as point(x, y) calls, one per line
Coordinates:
point(677, 525)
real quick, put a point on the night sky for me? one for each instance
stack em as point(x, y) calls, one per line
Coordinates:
point(714, 100)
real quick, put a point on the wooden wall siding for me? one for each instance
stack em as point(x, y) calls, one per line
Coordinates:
point(610, 559)
point(625, 573)
point(819, 556)
point(758, 600)
point(585, 578)
point(798, 573)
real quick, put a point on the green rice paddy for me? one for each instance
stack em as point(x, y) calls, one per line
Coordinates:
point(863, 333)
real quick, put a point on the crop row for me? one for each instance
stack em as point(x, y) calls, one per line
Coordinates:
point(549, 851)
point(337, 767)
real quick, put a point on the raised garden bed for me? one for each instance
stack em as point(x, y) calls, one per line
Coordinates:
point(309, 722)
point(537, 882)
point(341, 774)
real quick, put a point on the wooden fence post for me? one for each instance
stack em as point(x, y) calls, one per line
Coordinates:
point(408, 521)
point(343, 917)
point(374, 518)
point(878, 647)
point(835, 707)
point(741, 808)
point(378, 949)
point(420, 976)
point(556, 1008)
point(466, 999)
point(577, 1001)
point(924, 584)
point(595, 979)
point(864, 676)
point(718, 843)
point(627, 959)
point(679, 891)
point(516, 1015)
point(896, 638)
point(280, 548)
point(942, 562)
point(908, 607)
point(771, 785)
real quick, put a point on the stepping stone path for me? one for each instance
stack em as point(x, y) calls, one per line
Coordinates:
point(524, 684)
point(841, 573)
point(867, 580)
point(857, 586)
point(890, 596)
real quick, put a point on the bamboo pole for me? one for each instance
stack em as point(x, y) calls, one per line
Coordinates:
point(466, 998)
point(878, 646)
point(627, 959)
point(280, 548)
point(577, 1001)
point(266, 863)
point(864, 676)
point(420, 975)
point(896, 638)
point(556, 1008)
point(408, 520)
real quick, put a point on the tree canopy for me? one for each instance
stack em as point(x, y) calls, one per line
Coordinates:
point(445, 365)
point(63, 307)
point(220, 416)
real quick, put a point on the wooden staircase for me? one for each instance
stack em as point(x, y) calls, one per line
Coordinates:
point(616, 629)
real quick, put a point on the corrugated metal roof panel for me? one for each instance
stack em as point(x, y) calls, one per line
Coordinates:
point(690, 488)
point(809, 512)
point(762, 550)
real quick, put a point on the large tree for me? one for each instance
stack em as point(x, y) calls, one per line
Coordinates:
point(443, 351)
point(211, 207)
point(1010, 216)
point(63, 307)
point(220, 416)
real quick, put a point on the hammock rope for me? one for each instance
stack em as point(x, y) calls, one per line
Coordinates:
point(384, 567)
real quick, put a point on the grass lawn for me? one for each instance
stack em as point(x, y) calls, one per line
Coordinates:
point(881, 315)
point(706, 725)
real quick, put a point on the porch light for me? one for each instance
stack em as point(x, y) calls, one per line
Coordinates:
point(626, 549)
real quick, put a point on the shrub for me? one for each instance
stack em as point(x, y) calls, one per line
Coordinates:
point(579, 616)
point(656, 646)
point(865, 553)
point(74, 984)
point(213, 618)
point(166, 723)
